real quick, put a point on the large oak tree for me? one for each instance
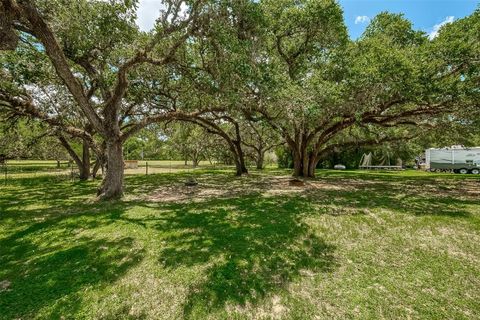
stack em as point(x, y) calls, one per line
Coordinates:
point(96, 55)
point(331, 92)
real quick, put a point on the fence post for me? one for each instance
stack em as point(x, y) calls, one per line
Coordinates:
point(146, 168)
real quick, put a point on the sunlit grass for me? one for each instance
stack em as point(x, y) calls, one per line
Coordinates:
point(350, 244)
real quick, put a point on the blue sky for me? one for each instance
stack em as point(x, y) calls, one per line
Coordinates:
point(426, 15)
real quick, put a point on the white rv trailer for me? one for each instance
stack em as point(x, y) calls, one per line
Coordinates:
point(456, 158)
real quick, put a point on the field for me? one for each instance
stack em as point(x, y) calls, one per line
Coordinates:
point(28, 168)
point(351, 244)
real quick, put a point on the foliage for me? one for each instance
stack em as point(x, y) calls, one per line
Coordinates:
point(29, 140)
point(229, 67)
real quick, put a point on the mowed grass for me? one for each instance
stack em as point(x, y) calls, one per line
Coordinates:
point(353, 244)
point(27, 168)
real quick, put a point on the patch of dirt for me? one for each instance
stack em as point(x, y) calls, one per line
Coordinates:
point(269, 308)
point(5, 285)
point(211, 187)
point(266, 185)
point(460, 189)
point(296, 183)
point(278, 309)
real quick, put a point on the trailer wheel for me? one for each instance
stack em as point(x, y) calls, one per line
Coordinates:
point(475, 171)
point(463, 171)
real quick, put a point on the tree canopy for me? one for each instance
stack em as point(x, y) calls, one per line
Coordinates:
point(254, 74)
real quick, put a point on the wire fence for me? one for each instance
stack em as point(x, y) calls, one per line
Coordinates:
point(168, 166)
point(13, 170)
point(17, 169)
point(67, 170)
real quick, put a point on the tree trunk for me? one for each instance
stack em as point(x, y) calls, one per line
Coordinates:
point(312, 165)
point(259, 160)
point(297, 165)
point(304, 163)
point(100, 160)
point(305, 156)
point(240, 159)
point(95, 169)
point(195, 162)
point(112, 184)
point(84, 168)
point(240, 167)
point(84, 171)
point(99, 163)
point(82, 164)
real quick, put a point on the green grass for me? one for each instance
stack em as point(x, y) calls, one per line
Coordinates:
point(33, 167)
point(350, 244)
point(28, 168)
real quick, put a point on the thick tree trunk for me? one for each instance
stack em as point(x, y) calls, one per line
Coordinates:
point(297, 165)
point(260, 159)
point(239, 159)
point(195, 162)
point(240, 168)
point(312, 165)
point(305, 156)
point(112, 184)
point(9, 38)
point(84, 171)
point(304, 164)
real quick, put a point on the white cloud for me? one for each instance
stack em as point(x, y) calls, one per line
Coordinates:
point(362, 19)
point(436, 28)
point(148, 11)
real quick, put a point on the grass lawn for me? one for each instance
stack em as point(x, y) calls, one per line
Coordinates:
point(350, 244)
point(28, 168)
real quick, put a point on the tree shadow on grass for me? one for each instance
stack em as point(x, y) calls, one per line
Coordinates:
point(382, 197)
point(251, 247)
point(42, 272)
point(409, 176)
point(145, 184)
point(248, 247)
point(25, 198)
